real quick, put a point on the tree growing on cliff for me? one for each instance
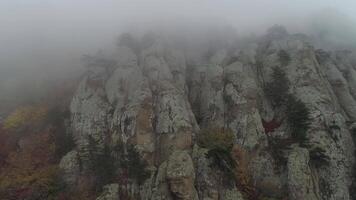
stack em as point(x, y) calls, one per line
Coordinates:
point(219, 142)
point(135, 165)
point(102, 164)
point(297, 113)
point(298, 117)
point(277, 89)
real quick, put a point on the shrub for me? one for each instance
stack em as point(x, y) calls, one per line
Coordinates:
point(277, 89)
point(216, 138)
point(298, 116)
point(242, 173)
point(219, 142)
point(284, 57)
point(222, 160)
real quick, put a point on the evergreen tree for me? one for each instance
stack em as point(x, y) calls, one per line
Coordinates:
point(135, 165)
point(102, 163)
point(277, 89)
point(298, 116)
point(106, 168)
point(219, 142)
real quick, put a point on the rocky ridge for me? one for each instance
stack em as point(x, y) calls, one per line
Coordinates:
point(158, 98)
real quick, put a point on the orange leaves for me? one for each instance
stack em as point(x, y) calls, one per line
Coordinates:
point(242, 174)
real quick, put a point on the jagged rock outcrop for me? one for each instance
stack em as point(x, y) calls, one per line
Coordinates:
point(91, 112)
point(70, 167)
point(110, 192)
point(300, 183)
point(157, 98)
point(181, 176)
point(310, 83)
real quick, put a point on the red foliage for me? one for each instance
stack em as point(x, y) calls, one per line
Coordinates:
point(271, 125)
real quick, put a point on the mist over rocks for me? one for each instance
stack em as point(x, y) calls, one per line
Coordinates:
point(178, 100)
point(159, 96)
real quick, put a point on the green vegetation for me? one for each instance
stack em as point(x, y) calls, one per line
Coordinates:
point(216, 138)
point(297, 113)
point(126, 166)
point(277, 90)
point(298, 117)
point(135, 165)
point(104, 167)
point(219, 142)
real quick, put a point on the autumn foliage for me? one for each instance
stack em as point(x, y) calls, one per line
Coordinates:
point(29, 154)
point(242, 174)
point(24, 118)
point(30, 171)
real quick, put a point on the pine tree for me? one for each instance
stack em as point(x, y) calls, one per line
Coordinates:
point(135, 165)
point(298, 116)
point(277, 89)
point(102, 163)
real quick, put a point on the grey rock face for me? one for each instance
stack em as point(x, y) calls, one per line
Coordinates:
point(90, 115)
point(300, 182)
point(181, 176)
point(158, 100)
point(69, 165)
point(310, 83)
point(110, 192)
point(242, 98)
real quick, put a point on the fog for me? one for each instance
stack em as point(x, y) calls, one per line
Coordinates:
point(42, 38)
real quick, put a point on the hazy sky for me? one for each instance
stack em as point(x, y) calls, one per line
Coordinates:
point(43, 33)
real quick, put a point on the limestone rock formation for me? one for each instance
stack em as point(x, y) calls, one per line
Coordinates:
point(157, 98)
point(300, 183)
point(110, 192)
point(70, 166)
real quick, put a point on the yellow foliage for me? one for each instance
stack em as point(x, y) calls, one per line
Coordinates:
point(43, 178)
point(25, 116)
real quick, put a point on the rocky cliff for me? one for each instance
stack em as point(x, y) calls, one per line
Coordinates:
point(158, 98)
